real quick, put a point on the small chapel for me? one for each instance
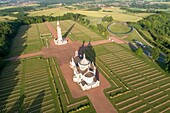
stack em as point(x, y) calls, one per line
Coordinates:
point(84, 72)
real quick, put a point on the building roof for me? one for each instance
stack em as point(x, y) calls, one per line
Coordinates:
point(89, 74)
point(77, 59)
point(83, 83)
point(82, 72)
point(95, 79)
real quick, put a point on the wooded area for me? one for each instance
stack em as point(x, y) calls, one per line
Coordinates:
point(158, 26)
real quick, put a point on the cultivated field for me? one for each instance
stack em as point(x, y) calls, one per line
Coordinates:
point(77, 31)
point(117, 15)
point(136, 85)
point(37, 85)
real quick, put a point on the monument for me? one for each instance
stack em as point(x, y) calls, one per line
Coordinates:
point(59, 40)
point(84, 72)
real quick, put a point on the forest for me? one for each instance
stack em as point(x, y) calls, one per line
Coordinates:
point(159, 27)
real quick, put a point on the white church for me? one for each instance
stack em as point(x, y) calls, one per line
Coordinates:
point(59, 40)
point(84, 72)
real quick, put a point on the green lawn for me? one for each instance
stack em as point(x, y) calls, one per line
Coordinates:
point(133, 35)
point(137, 86)
point(28, 39)
point(78, 32)
point(119, 28)
point(35, 85)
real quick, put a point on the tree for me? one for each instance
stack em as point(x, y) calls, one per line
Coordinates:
point(155, 53)
point(87, 22)
point(139, 51)
point(167, 64)
point(2, 63)
point(167, 68)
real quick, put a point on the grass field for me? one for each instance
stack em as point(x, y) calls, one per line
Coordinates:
point(117, 15)
point(133, 35)
point(113, 9)
point(78, 32)
point(119, 28)
point(136, 85)
point(37, 85)
point(28, 39)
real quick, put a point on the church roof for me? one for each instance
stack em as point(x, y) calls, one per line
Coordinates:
point(83, 83)
point(77, 59)
point(82, 72)
point(95, 79)
point(89, 74)
point(91, 67)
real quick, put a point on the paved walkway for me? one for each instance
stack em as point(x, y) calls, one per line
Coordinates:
point(52, 29)
point(118, 40)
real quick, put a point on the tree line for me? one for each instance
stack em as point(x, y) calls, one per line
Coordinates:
point(107, 19)
point(159, 28)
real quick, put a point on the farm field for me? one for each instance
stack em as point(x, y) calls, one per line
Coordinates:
point(8, 7)
point(136, 85)
point(37, 85)
point(78, 32)
point(117, 15)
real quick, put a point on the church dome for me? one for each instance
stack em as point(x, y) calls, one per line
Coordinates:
point(84, 61)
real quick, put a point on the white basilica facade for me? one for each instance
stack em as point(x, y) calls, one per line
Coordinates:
point(84, 72)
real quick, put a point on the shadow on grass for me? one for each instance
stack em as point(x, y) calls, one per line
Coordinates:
point(37, 103)
point(66, 34)
point(18, 105)
point(11, 75)
point(18, 44)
